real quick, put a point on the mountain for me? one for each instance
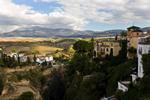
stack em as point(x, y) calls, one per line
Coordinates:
point(116, 31)
point(38, 31)
point(146, 29)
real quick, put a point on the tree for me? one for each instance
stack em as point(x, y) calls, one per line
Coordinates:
point(146, 63)
point(55, 89)
point(132, 94)
point(92, 88)
point(123, 52)
point(34, 59)
point(28, 61)
point(132, 52)
point(82, 47)
point(123, 34)
point(1, 84)
point(81, 65)
point(18, 59)
point(118, 73)
point(141, 90)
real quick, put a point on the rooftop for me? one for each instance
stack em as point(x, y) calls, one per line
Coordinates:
point(133, 27)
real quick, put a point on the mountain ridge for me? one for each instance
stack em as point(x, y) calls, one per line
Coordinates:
point(37, 31)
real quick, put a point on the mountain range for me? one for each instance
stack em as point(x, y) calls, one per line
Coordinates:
point(38, 31)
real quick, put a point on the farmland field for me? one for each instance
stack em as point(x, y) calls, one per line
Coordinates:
point(34, 45)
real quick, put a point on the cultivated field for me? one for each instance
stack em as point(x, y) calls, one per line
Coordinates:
point(34, 45)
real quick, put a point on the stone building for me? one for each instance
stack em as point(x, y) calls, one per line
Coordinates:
point(107, 47)
point(133, 33)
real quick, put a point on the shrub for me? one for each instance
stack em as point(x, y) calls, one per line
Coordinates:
point(26, 96)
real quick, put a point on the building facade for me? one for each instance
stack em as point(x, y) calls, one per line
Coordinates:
point(143, 48)
point(133, 33)
point(123, 86)
point(107, 47)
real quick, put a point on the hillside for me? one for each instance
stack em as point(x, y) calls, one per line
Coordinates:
point(37, 31)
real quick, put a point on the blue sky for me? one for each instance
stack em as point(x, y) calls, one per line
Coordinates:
point(75, 14)
point(39, 6)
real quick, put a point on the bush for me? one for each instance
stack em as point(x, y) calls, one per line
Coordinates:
point(1, 85)
point(26, 96)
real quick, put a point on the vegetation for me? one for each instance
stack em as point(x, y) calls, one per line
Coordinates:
point(26, 96)
point(140, 90)
point(1, 84)
point(55, 88)
point(146, 63)
point(123, 33)
point(86, 77)
point(11, 62)
point(118, 73)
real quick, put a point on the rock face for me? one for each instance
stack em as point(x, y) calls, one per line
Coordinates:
point(13, 90)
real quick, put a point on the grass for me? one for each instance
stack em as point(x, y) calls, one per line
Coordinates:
point(30, 45)
point(46, 49)
point(21, 39)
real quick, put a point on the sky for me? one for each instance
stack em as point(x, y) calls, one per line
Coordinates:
point(74, 14)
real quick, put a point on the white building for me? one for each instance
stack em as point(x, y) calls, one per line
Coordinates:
point(123, 85)
point(42, 59)
point(143, 48)
point(22, 57)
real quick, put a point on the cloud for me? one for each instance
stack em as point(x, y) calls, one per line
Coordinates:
point(109, 11)
point(21, 15)
point(75, 14)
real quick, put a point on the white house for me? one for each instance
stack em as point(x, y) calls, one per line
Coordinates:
point(49, 59)
point(123, 85)
point(42, 59)
point(143, 48)
point(22, 57)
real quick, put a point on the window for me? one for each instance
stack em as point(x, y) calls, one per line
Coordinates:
point(107, 49)
point(111, 44)
point(140, 51)
point(111, 49)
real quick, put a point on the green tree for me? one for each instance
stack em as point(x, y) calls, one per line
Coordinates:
point(34, 59)
point(83, 47)
point(118, 73)
point(81, 65)
point(146, 63)
point(28, 61)
point(92, 88)
point(123, 34)
point(55, 89)
point(122, 57)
